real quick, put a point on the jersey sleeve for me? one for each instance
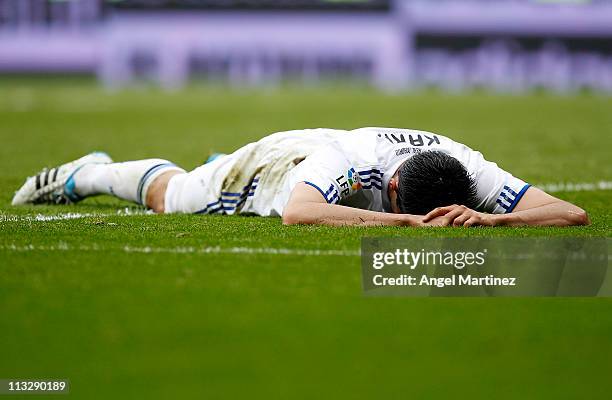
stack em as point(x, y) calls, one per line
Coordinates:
point(498, 191)
point(325, 171)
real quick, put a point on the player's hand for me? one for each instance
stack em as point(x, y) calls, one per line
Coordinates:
point(457, 215)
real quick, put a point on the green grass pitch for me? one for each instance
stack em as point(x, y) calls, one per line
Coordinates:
point(165, 324)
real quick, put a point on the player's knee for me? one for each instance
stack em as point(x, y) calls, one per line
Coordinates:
point(158, 206)
point(156, 200)
point(156, 195)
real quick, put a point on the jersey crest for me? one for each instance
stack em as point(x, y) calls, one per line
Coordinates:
point(354, 180)
point(349, 183)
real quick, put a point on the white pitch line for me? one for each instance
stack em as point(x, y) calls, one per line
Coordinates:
point(62, 246)
point(576, 187)
point(183, 250)
point(67, 216)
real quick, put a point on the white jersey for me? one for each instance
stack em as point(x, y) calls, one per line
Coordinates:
point(351, 168)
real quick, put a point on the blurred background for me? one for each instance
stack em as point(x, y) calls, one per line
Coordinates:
point(500, 45)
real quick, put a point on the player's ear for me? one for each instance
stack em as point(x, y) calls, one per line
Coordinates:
point(393, 185)
point(392, 191)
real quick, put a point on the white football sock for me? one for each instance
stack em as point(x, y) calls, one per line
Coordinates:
point(127, 180)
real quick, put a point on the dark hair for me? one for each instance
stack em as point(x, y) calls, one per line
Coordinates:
point(434, 179)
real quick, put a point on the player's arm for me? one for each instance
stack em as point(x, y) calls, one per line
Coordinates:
point(538, 208)
point(307, 206)
point(535, 208)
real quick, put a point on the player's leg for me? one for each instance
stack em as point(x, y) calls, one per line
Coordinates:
point(168, 189)
point(92, 175)
point(129, 180)
point(155, 183)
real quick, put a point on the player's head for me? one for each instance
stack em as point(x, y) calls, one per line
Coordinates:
point(428, 180)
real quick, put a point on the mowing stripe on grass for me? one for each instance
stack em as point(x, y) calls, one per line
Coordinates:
point(183, 250)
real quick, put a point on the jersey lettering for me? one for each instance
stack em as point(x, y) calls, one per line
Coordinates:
point(407, 150)
point(344, 186)
point(415, 140)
